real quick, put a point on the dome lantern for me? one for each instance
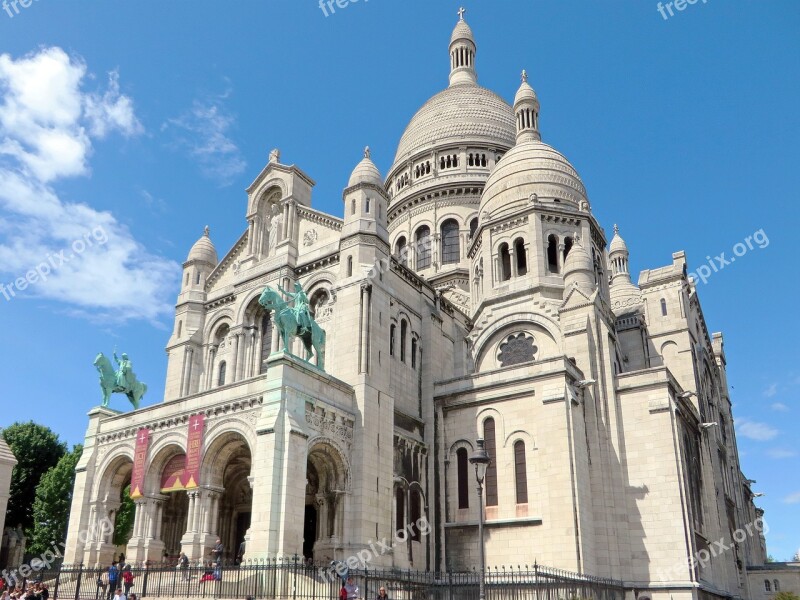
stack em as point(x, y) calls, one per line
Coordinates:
point(526, 111)
point(462, 53)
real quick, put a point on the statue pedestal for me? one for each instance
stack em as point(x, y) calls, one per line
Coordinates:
point(305, 410)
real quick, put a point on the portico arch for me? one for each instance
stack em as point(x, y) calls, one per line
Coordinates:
point(327, 488)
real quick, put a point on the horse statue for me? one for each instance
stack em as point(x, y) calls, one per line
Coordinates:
point(295, 322)
point(119, 382)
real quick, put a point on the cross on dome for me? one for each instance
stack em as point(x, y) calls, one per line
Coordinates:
point(367, 152)
point(524, 76)
point(206, 231)
point(461, 12)
point(616, 229)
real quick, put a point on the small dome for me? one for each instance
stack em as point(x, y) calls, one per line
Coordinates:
point(366, 172)
point(525, 92)
point(203, 250)
point(578, 259)
point(617, 243)
point(462, 31)
point(531, 167)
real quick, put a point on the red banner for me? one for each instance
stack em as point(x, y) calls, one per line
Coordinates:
point(139, 462)
point(172, 475)
point(194, 451)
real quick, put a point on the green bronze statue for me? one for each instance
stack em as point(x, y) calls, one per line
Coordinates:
point(122, 381)
point(295, 321)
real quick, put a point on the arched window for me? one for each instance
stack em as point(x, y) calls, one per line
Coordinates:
point(186, 282)
point(505, 263)
point(520, 256)
point(180, 328)
point(197, 278)
point(776, 585)
point(462, 468)
point(349, 266)
point(353, 207)
point(403, 335)
point(450, 250)
point(400, 513)
point(423, 241)
point(415, 513)
point(520, 472)
point(552, 253)
point(767, 586)
point(473, 227)
point(663, 307)
point(413, 352)
point(366, 206)
point(223, 367)
point(392, 329)
point(401, 250)
point(567, 246)
point(491, 471)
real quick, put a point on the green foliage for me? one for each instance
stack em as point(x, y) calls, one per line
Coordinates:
point(52, 503)
point(124, 521)
point(770, 558)
point(37, 449)
point(786, 596)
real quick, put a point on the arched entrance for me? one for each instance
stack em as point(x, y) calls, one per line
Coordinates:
point(327, 486)
point(111, 515)
point(227, 493)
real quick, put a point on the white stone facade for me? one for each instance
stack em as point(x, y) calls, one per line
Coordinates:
point(471, 293)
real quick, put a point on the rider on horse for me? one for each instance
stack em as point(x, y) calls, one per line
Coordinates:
point(300, 309)
point(125, 376)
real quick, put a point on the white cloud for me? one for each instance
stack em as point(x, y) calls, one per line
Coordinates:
point(47, 123)
point(203, 130)
point(111, 111)
point(771, 390)
point(779, 406)
point(760, 432)
point(792, 498)
point(780, 453)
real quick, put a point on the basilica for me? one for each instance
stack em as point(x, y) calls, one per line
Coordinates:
point(468, 293)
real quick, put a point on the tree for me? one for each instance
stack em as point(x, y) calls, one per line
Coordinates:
point(52, 504)
point(123, 524)
point(37, 449)
point(786, 596)
point(770, 558)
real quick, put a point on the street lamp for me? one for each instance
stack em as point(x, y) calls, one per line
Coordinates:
point(480, 458)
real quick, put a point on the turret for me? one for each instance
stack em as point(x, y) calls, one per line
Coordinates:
point(365, 207)
point(526, 111)
point(578, 269)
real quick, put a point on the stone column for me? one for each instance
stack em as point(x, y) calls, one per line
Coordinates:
point(513, 257)
point(275, 341)
point(285, 232)
point(322, 517)
point(250, 234)
point(366, 291)
point(259, 351)
point(241, 360)
point(234, 358)
point(560, 258)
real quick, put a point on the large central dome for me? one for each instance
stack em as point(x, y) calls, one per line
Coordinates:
point(465, 112)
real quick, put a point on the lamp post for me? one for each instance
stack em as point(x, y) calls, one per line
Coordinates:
point(480, 458)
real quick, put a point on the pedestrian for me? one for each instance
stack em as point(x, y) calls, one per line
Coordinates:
point(351, 588)
point(118, 595)
point(218, 551)
point(127, 579)
point(113, 576)
point(183, 565)
point(102, 585)
point(382, 594)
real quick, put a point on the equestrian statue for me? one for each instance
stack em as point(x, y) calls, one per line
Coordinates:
point(121, 381)
point(295, 321)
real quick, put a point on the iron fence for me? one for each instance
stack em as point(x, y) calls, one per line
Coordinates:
point(296, 580)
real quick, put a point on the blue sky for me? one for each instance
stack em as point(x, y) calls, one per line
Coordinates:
point(157, 115)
